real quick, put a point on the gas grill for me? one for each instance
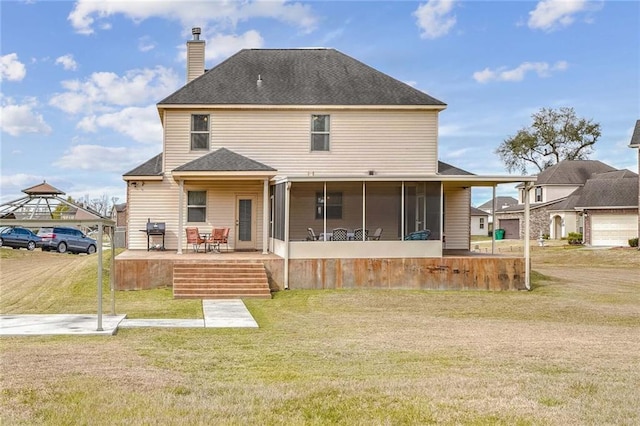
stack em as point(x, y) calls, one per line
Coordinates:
point(153, 229)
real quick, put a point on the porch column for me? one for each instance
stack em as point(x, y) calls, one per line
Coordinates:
point(180, 215)
point(527, 266)
point(287, 200)
point(493, 221)
point(265, 217)
point(364, 210)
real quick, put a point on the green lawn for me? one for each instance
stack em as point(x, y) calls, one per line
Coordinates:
point(560, 354)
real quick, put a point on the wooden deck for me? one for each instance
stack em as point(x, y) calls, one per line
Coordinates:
point(459, 270)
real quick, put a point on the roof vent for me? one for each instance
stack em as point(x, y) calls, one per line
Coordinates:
point(196, 33)
point(259, 82)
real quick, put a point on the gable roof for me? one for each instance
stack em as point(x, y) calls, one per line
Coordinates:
point(500, 202)
point(223, 160)
point(572, 172)
point(297, 77)
point(610, 190)
point(635, 138)
point(152, 167)
point(448, 169)
point(477, 212)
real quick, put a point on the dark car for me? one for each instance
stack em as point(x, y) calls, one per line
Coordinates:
point(63, 240)
point(17, 237)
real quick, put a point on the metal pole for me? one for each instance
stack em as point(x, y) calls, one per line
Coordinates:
point(112, 279)
point(99, 251)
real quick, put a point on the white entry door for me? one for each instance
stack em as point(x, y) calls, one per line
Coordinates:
point(245, 222)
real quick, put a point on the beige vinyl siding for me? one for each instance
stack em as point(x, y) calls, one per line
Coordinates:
point(195, 59)
point(456, 227)
point(393, 142)
point(158, 201)
point(155, 201)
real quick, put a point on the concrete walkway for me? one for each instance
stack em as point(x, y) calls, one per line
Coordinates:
point(217, 314)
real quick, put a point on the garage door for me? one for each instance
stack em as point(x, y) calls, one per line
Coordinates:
point(613, 229)
point(511, 228)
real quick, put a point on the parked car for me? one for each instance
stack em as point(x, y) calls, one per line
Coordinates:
point(63, 239)
point(17, 237)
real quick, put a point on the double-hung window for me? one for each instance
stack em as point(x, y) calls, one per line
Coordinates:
point(200, 132)
point(538, 194)
point(320, 125)
point(196, 206)
point(334, 205)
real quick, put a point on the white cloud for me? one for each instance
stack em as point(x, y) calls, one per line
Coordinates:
point(102, 91)
point(543, 69)
point(222, 46)
point(102, 158)
point(18, 119)
point(146, 44)
point(11, 68)
point(67, 62)
point(84, 15)
point(435, 18)
point(140, 124)
point(552, 14)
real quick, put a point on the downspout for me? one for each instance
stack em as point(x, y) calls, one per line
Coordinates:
point(180, 214)
point(527, 255)
point(286, 235)
point(265, 217)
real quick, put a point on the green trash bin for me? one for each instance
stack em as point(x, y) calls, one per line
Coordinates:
point(499, 234)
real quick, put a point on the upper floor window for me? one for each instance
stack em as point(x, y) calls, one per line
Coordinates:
point(538, 194)
point(320, 132)
point(199, 132)
point(196, 206)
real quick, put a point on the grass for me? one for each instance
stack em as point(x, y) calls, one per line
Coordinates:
point(565, 353)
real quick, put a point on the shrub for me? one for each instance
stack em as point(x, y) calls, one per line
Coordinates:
point(575, 238)
point(633, 242)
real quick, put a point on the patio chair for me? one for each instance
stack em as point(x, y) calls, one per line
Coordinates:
point(339, 234)
point(376, 235)
point(357, 234)
point(418, 235)
point(222, 237)
point(312, 235)
point(194, 238)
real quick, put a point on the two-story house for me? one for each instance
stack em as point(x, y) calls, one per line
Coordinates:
point(583, 196)
point(282, 144)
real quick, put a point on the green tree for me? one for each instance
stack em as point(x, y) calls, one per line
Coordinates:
point(554, 135)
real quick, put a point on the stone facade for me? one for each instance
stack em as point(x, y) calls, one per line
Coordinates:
point(539, 221)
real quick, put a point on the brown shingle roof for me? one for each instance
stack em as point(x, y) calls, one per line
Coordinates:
point(296, 77)
point(152, 167)
point(224, 160)
point(635, 138)
point(572, 172)
point(610, 190)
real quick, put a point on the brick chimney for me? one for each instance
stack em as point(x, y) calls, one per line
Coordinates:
point(195, 56)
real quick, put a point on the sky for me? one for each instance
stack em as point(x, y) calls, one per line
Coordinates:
point(79, 81)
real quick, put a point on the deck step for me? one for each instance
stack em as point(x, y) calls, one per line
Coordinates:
point(220, 280)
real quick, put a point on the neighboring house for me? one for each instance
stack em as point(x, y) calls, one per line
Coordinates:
point(501, 203)
point(563, 192)
point(272, 142)
point(479, 222)
point(119, 214)
point(635, 143)
point(609, 206)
